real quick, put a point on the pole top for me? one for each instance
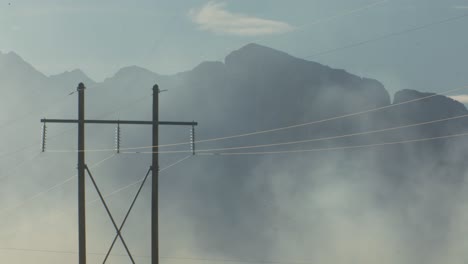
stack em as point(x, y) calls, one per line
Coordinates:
point(156, 88)
point(81, 87)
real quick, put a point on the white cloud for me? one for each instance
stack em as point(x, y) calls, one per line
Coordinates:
point(215, 18)
point(463, 98)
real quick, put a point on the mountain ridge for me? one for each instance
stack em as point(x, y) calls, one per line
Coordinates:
point(73, 76)
point(329, 146)
point(249, 59)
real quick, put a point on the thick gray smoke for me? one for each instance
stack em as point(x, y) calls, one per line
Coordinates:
point(388, 204)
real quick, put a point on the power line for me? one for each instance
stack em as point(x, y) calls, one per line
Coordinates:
point(11, 171)
point(271, 130)
point(298, 151)
point(56, 186)
point(315, 139)
point(340, 148)
point(94, 201)
point(254, 133)
point(140, 180)
point(15, 120)
point(250, 153)
point(322, 53)
point(3, 155)
point(69, 252)
point(393, 34)
point(130, 185)
point(54, 103)
point(348, 12)
point(35, 144)
point(237, 260)
point(330, 119)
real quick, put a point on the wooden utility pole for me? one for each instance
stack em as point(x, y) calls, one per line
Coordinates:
point(155, 180)
point(81, 176)
point(82, 168)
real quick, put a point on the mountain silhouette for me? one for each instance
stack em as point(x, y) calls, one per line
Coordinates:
point(258, 88)
point(74, 76)
point(13, 66)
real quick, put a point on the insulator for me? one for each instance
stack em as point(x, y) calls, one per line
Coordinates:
point(43, 137)
point(192, 140)
point(117, 138)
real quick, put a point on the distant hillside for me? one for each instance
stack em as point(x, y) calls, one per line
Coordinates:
point(68, 77)
point(258, 88)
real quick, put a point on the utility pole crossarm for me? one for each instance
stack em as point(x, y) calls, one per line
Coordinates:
point(121, 122)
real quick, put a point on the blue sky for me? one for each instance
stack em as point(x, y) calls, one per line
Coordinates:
point(165, 36)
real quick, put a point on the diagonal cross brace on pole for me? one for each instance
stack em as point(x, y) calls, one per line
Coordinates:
point(110, 215)
point(126, 216)
point(81, 121)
